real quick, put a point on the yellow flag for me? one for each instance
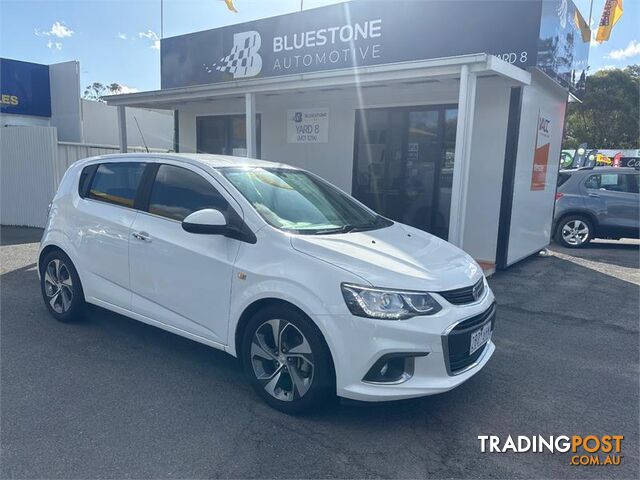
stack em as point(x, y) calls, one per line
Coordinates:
point(585, 31)
point(230, 5)
point(610, 15)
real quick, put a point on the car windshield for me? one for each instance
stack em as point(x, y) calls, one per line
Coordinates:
point(298, 202)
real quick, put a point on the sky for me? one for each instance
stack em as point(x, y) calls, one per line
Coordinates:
point(117, 40)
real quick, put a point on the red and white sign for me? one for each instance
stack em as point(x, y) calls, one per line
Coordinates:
point(541, 154)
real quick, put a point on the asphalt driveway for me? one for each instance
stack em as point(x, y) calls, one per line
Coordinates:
point(114, 398)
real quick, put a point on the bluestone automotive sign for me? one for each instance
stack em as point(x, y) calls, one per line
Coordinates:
point(356, 34)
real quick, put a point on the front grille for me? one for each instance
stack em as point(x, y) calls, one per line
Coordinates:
point(462, 296)
point(461, 361)
point(458, 342)
point(477, 320)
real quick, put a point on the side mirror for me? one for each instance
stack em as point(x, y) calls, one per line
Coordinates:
point(206, 222)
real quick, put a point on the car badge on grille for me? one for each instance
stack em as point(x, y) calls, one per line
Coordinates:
point(476, 291)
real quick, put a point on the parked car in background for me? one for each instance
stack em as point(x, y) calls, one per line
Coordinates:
point(313, 291)
point(601, 202)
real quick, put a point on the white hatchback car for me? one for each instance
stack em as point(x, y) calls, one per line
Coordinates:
point(314, 292)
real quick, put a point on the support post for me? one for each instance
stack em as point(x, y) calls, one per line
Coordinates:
point(462, 156)
point(250, 112)
point(176, 131)
point(122, 128)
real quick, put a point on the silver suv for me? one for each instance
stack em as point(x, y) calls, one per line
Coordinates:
point(601, 202)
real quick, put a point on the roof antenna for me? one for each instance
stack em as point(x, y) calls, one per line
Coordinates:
point(141, 135)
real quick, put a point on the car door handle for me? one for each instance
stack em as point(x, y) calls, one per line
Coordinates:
point(595, 195)
point(144, 236)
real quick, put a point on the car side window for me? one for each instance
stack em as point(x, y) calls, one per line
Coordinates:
point(116, 183)
point(613, 182)
point(593, 182)
point(631, 182)
point(178, 192)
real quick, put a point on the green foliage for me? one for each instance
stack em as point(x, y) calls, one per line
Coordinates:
point(609, 116)
point(97, 90)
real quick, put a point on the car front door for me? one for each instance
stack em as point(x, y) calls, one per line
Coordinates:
point(182, 279)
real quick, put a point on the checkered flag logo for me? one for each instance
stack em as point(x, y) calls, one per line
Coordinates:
point(244, 59)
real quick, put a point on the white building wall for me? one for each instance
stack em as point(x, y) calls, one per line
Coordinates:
point(100, 125)
point(531, 217)
point(66, 114)
point(333, 160)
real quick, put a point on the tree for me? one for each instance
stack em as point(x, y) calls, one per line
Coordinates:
point(609, 116)
point(97, 90)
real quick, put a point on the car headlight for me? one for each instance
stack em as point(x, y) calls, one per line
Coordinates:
point(386, 304)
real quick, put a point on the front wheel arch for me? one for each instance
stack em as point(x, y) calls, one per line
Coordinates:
point(581, 213)
point(585, 219)
point(258, 305)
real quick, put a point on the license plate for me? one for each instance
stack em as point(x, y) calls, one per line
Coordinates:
point(480, 337)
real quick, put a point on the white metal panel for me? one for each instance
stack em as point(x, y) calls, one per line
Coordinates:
point(486, 169)
point(532, 211)
point(461, 166)
point(27, 180)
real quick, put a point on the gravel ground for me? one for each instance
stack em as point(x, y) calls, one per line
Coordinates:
point(114, 398)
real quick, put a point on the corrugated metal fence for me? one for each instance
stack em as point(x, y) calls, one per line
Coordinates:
point(32, 164)
point(28, 176)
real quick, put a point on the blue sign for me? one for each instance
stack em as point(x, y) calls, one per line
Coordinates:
point(24, 88)
point(374, 32)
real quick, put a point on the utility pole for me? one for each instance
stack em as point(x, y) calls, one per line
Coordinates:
point(301, 5)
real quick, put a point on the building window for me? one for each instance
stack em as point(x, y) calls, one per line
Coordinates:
point(403, 165)
point(225, 135)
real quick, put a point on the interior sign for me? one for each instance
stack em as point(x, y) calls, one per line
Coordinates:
point(308, 125)
point(541, 154)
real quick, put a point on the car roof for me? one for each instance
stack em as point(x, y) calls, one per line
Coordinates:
point(214, 161)
point(600, 170)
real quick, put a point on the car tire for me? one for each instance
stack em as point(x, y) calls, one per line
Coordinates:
point(574, 231)
point(295, 373)
point(61, 288)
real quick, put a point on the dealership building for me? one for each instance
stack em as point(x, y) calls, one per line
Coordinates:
point(447, 116)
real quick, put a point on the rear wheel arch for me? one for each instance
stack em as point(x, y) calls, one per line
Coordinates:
point(46, 251)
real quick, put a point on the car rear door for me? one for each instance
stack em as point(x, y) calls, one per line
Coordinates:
point(182, 279)
point(105, 213)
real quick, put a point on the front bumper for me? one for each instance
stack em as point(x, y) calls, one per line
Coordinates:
point(357, 343)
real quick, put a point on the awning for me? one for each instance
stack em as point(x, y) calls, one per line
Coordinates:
point(481, 65)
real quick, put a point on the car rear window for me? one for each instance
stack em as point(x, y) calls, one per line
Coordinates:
point(562, 178)
point(116, 183)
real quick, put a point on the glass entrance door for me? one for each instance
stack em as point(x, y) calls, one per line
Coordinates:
point(403, 165)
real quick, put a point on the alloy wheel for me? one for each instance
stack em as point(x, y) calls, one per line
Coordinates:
point(58, 286)
point(575, 232)
point(282, 360)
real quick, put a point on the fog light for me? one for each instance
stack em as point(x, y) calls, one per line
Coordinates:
point(393, 368)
